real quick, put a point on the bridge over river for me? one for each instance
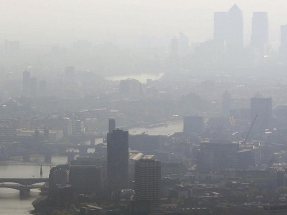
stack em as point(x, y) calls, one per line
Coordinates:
point(24, 185)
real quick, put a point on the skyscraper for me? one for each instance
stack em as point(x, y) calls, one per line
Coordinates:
point(85, 175)
point(130, 88)
point(173, 64)
point(183, 44)
point(174, 48)
point(147, 181)
point(234, 39)
point(220, 27)
point(112, 124)
point(118, 159)
point(260, 29)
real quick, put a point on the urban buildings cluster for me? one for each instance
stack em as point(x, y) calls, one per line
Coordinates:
point(200, 138)
point(109, 177)
point(229, 53)
point(210, 167)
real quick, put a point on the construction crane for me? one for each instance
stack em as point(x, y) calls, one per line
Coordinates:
point(249, 131)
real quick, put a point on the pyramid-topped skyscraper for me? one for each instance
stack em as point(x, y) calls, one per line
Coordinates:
point(234, 41)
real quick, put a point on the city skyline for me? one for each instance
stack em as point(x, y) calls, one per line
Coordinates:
point(143, 107)
point(125, 22)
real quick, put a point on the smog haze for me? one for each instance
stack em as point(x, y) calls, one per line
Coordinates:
point(66, 21)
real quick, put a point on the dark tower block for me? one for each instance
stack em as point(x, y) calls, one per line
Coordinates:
point(118, 159)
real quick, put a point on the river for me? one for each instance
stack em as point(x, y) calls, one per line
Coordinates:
point(140, 77)
point(10, 201)
point(169, 129)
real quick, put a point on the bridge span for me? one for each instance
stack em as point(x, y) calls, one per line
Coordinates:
point(24, 190)
point(24, 181)
point(24, 185)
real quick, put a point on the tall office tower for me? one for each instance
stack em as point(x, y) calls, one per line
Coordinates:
point(85, 175)
point(183, 44)
point(234, 41)
point(112, 124)
point(220, 28)
point(118, 159)
point(260, 29)
point(193, 124)
point(147, 181)
point(173, 64)
point(26, 83)
point(261, 112)
point(130, 88)
point(225, 106)
point(174, 48)
point(283, 47)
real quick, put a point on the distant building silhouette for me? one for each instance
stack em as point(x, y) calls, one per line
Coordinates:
point(246, 158)
point(234, 40)
point(173, 64)
point(112, 124)
point(227, 46)
point(85, 175)
point(118, 159)
point(130, 88)
point(147, 181)
point(37, 135)
point(174, 48)
point(30, 85)
point(260, 32)
point(183, 44)
point(220, 28)
point(262, 108)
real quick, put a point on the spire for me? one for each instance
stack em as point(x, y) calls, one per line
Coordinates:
point(41, 171)
point(234, 8)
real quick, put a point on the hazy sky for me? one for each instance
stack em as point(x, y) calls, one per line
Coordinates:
point(49, 21)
